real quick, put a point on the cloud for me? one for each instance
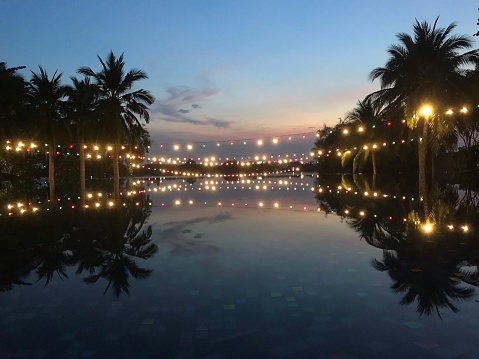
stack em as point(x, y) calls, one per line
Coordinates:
point(172, 109)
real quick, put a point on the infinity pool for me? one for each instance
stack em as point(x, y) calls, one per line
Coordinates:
point(236, 274)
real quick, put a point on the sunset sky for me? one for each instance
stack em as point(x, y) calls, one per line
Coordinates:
point(227, 70)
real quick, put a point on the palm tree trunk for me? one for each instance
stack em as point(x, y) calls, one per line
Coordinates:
point(116, 172)
point(373, 158)
point(82, 176)
point(51, 172)
point(422, 153)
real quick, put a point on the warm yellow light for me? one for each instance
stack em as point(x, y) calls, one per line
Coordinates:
point(464, 110)
point(361, 129)
point(260, 142)
point(109, 148)
point(275, 140)
point(449, 112)
point(465, 228)
point(362, 213)
point(96, 148)
point(427, 228)
point(110, 204)
point(276, 205)
point(345, 131)
point(97, 204)
point(426, 111)
point(176, 147)
point(365, 147)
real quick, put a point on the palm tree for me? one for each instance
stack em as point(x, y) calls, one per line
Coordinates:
point(424, 69)
point(81, 108)
point(121, 107)
point(46, 98)
point(369, 114)
point(13, 90)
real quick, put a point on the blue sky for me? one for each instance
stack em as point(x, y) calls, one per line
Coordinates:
point(226, 70)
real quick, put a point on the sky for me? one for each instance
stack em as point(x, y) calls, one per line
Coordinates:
point(227, 72)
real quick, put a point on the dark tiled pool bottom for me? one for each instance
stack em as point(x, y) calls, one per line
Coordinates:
point(238, 283)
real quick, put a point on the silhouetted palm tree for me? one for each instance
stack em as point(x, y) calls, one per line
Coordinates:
point(13, 91)
point(425, 69)
point(46, 98)
point(82, 114)
point(121, 107)
point(370, 115)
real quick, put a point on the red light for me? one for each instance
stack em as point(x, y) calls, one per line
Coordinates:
point(389, 123)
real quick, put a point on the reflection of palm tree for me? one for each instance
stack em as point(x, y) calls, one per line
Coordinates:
point(433, 269)
point(38, 243)
point(114, 238)
point(429, 280)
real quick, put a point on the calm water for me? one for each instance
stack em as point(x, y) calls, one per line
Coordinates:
point(241, 270)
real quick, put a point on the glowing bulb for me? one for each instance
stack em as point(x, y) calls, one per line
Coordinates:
point(260, 142)
point(427, 228)
point(426, 111)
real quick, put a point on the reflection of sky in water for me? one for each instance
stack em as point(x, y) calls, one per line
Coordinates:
point(243, 282)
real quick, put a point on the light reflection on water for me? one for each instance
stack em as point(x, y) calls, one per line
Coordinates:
point(242, 280)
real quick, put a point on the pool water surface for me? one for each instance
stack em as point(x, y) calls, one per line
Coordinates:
point(234, 279)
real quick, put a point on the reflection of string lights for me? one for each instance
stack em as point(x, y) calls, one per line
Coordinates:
point(97, 201)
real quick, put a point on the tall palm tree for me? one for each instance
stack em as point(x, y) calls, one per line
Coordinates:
point(81, 108)
point(121, 107)
point(424, 69)
point(46, 99)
